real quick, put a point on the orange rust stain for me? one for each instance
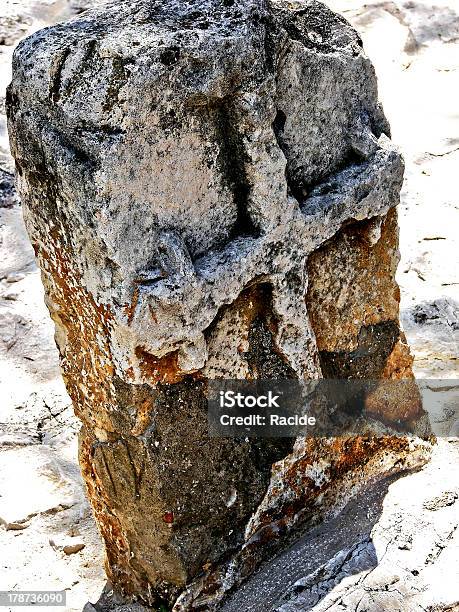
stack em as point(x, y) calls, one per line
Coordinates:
point(143, 418)
point(117, 547)
point(159, 369)
point(344, 455)
point(152, 313)
point(129, 373)
point(88, 371)
point(129, 309)
point(399, 362)
point(370, 295)
point(395, 403)
point(355, 452)
point(86, 359)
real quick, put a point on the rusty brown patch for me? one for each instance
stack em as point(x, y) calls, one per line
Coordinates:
point(396, 400)
point(352, 283)
point(152, 313)
point(399, 362)
point(143, 418)
point(117, 546)
point(86, 359)
point(159, 369)
point(297, 496)
point(395, 403)
point(129, 309)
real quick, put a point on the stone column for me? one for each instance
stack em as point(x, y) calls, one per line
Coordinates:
point(211, 192)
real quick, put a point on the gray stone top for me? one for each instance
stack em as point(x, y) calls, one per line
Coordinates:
point(198, 147)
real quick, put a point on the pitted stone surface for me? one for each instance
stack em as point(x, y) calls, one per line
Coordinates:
point(217, 124)
point(180, 165)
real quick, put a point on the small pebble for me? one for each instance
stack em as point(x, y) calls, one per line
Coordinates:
point(15, 277)
point(16, 526)
point(67, 544)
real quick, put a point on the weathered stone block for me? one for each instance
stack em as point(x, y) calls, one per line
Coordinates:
point(210, 190)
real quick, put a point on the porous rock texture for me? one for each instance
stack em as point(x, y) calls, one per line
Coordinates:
point(210, 190)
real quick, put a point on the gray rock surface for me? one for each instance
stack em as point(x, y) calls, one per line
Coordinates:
point(434, 328)
point(193, 118)
point(8, 196)
point(393, 547)
point(146, 271)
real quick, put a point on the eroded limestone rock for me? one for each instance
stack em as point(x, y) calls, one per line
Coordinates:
point(210, 191)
